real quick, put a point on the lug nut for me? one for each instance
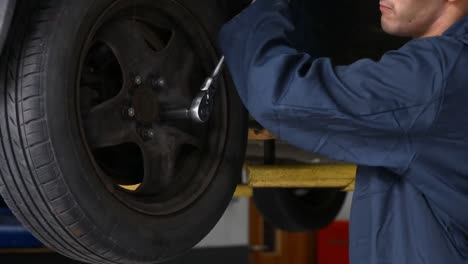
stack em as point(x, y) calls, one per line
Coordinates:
point(148, 134)
point(128, 112)
point(138, 80)
point(160, 82)
point(131, 112)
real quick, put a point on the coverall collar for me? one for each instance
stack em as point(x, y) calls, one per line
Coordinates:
point(458, 29)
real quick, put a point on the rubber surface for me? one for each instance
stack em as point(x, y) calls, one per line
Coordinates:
point(292, 213)
point(7, 9)
point(46, 177)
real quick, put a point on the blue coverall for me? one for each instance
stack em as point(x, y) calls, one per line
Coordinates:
point(402, 119)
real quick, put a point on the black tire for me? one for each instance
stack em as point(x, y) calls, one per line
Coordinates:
point(49, 180)
point(299, 210)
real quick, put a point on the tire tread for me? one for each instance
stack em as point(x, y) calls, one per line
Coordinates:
point(30, 180)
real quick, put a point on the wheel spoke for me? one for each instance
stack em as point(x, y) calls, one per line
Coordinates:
point(160, 156)
point(105, 126)
point(129, 40)
point(181, 137)
point(159, 166)
point(177, 59)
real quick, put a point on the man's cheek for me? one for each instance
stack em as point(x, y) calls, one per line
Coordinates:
point(407, 16)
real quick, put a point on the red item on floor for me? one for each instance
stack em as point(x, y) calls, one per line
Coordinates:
point(333, 244)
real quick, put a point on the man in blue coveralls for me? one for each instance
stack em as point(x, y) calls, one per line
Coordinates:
point(402, 119)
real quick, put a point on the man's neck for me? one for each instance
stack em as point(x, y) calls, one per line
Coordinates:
point(444, 22)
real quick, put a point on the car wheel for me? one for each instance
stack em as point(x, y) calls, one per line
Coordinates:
point(299, 210)
point(89, 161)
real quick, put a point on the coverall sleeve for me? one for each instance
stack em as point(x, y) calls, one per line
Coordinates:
point(365, 113)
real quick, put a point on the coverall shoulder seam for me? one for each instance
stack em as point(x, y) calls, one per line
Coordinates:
point(439, 106)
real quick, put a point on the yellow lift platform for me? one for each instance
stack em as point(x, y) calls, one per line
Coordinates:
point(295, 176)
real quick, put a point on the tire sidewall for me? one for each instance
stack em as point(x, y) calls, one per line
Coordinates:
point(289, 213)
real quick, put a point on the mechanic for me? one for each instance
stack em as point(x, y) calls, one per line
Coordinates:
point(402, 119)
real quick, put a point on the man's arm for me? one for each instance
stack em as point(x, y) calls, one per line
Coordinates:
point(366, 113)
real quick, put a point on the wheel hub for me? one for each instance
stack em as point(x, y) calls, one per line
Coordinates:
point(123, 100)
point(146, 105)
